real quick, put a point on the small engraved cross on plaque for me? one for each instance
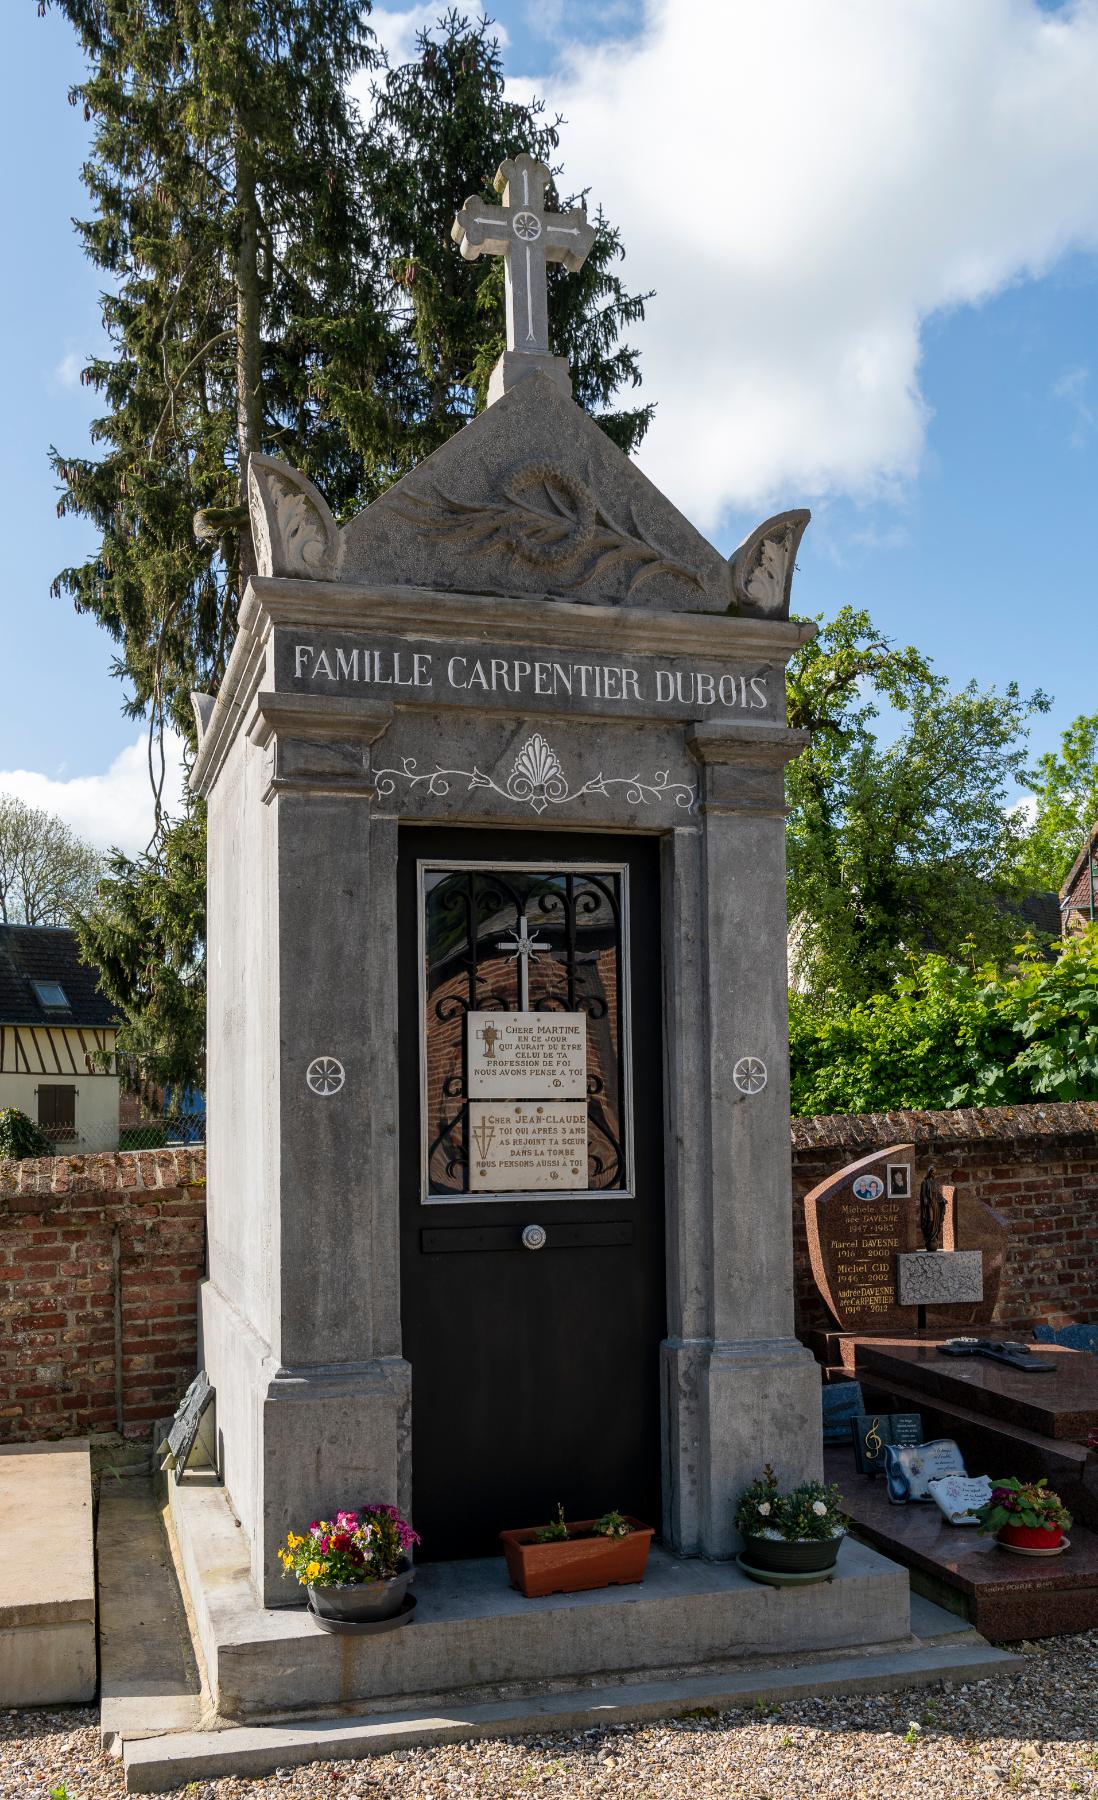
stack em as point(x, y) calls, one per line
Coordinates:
point(522, 947)
point(527, 237)
point(488, 1035)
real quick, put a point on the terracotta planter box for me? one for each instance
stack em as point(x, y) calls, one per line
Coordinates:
point(574, 1564)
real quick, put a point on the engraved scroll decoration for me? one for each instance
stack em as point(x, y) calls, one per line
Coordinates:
point(537, 780)
point(548, 519)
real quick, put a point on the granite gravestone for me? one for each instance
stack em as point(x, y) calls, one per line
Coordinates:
point(521, 637)
point(868, 1258)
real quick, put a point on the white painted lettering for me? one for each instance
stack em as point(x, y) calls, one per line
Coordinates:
point(612, 684)
point(726, 687)
point(541, 678)
point(323, 667)
point(347, 665)
point(421, 669)
point(704, 685)
point(300, 651)
point(758, 688)
point(685, 699)
point(562, 678)
point(499, 673)
point(665, 686)
point(452, 667)
point(522, 669)
point(399, 679)
point(630, 681)
point(583, 670)
point(477, 677)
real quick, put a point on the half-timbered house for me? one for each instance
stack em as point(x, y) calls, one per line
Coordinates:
point(57, 1034)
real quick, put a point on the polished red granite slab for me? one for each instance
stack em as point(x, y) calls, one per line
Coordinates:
point(1007, 1597)
point(1063, 1404)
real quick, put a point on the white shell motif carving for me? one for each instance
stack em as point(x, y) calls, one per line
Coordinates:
point(536, 780)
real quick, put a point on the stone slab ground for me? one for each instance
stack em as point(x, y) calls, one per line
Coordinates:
point(47, 1586)
point(156, 1719)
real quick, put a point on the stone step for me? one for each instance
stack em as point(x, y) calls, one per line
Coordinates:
point(47, 1588)
point(149, 1676)
point(153, 1765)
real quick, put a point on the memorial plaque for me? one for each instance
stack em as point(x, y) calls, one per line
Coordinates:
point(855, 1232)
point(873, 1432)
point(527, 1055)
point(527, 1147)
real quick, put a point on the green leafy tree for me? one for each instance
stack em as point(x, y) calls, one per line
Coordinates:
point(20, 1137)
point(46, 872)
point(954, 1034)
point(146, 936)
point(896, 847)
point(279, 279)
point(1065, 790)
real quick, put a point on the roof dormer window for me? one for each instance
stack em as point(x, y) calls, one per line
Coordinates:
point(51, 996)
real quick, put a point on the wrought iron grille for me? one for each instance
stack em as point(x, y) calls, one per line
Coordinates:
point(515, 938)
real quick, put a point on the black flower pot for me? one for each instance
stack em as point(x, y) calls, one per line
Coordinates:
point(799, 1556)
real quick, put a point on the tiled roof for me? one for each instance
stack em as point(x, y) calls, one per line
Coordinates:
point(30, 953)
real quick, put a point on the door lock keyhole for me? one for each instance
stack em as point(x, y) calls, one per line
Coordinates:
point(534, 1237)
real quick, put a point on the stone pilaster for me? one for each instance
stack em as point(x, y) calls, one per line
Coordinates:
point(739, 1390)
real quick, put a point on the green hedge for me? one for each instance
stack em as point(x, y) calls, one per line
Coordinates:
point(948, 1036)
point(20, 1136)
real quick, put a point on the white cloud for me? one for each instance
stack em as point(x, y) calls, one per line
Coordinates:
point(115, 808)
point(67, 372)
point(1072, 388)
point(805, 185)
point(396, 32)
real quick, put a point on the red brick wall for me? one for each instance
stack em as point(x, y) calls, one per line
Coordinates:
point(1037, 1165)
point(77, 1233)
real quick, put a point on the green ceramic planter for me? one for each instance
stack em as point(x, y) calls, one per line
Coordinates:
point(795, 1557)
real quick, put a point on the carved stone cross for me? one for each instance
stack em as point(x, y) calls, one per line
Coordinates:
point(527, 237)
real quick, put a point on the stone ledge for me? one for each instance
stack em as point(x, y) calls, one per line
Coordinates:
point(105, 1171)
point(1055, 1119)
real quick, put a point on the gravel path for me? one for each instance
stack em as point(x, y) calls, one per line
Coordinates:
point(1033, 1733)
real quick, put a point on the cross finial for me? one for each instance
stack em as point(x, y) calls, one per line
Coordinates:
point(523, 948)
point(527, 237)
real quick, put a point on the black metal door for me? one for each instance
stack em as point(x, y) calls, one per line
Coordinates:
point(535, 1372)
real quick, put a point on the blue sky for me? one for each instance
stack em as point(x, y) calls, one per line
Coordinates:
point(953, 496)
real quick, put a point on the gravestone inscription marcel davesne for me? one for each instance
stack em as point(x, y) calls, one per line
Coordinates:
point(497, 996)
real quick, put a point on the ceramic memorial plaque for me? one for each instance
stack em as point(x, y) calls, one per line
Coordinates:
point(958, 1496)
point(873, 1432)
point(526, 1147)
point(527, 1055)
point(911, 1467)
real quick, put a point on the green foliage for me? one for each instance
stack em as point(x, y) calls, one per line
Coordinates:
point(20, 1137)
point(279, 278)
point(146, 936)
point(1065, 787)
point(946, 1034)
point(555, 1531)
point(612, 1525)
point(1029, 1503)
point(810, 1513)
point(46, 871)
point(904, 847)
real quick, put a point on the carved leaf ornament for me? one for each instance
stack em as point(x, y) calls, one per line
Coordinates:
point(548, 519)
point(537, 780)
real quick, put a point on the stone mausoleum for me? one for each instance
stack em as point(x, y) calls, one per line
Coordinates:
point(499, 1172)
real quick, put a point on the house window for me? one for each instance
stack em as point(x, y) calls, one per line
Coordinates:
point(57, 1111)
point(51, 995)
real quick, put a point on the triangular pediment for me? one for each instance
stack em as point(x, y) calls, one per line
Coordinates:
point(530, 497)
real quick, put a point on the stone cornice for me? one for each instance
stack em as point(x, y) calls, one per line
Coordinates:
point(317, 717)
point(760, 746)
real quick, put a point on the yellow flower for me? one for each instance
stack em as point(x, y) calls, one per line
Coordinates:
point(295, 1543)
point(323, 1568)
point(312, 1571)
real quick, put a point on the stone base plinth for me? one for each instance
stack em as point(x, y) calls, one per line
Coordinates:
point(940, 1277)
point(474, 1632)
point(296, 1444)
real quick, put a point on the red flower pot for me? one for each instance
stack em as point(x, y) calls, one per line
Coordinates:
point(1031, 1537)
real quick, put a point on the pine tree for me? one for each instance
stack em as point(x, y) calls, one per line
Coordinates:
point(279, 280)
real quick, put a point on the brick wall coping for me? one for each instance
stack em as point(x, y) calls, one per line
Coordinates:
point(1053, 1119)
point(108, 1171)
